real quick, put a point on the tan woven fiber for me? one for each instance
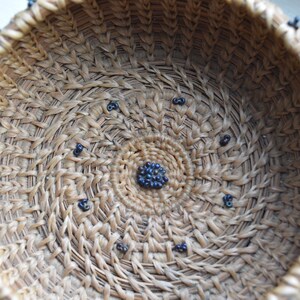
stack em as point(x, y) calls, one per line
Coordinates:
point(63, 64)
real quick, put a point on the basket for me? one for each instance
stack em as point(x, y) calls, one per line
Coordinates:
point(150, 150)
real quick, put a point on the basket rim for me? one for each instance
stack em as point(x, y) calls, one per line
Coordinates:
point(270, 13)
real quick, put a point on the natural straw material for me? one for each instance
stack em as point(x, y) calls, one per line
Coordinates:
point(237, 65)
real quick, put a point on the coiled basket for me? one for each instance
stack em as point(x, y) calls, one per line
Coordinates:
point(92, 93)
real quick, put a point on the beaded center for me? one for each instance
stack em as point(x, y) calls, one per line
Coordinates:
point(152, 175)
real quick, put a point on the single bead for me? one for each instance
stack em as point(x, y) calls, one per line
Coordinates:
point(76, 152)
point(148, 176)
point(116, 105)
point(159, 185)
point(181, 101)
point(79, 147)
point(148, 164)
point(30, 3)
point(155, 184)
point(228, 204)
point(165, 179)
point(83, 205)
point(175, 101)
point(225, 140)
point(294, 23)
point(152, 165)
point(227, 197)
point(155, 172)
point(158, 178)
point(178, 247)
point(141, 181)
point(157, 166)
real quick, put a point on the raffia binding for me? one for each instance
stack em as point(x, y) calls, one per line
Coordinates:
point(87, 94)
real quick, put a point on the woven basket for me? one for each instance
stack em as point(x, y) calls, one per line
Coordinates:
point(90, 92)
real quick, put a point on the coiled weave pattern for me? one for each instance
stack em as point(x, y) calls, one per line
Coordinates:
point(236, 65)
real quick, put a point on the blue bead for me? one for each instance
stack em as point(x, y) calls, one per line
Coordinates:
point(158, 178)
point(227, 197)
point(181, 101)
point(30, 3)
point(152, 165)
point(76, 152)
point(122, 247)
point(155, 184)
point(162, 171)
point(159, 185)
point(178, 246)
point(112, 106)
point(178, 101)
point(184, 246)
point(148, 164)
point(165, 179)
point(157, 166)
point(79, 147)
point(141, 180)
point(148, 176)
point(147, 183)
point(225, 140)
point(83, 205)
point(228, 204)
point(294, 23)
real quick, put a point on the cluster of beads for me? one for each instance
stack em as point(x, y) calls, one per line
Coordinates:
point(78, 150)
point(151, 175)
point(84, 205)
point(181, 247)
point(178, 101)
point(112, 106)
point(227, 199)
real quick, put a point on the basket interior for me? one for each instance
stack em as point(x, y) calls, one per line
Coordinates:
point(237, 78)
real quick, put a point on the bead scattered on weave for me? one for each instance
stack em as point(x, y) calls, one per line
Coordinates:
point(95, 90)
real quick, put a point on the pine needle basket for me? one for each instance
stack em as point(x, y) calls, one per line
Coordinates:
point(88, 96)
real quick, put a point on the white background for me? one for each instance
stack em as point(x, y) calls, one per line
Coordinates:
point(10, 7)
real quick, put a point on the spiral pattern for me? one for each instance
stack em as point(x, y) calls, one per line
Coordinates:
point(63, 101)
